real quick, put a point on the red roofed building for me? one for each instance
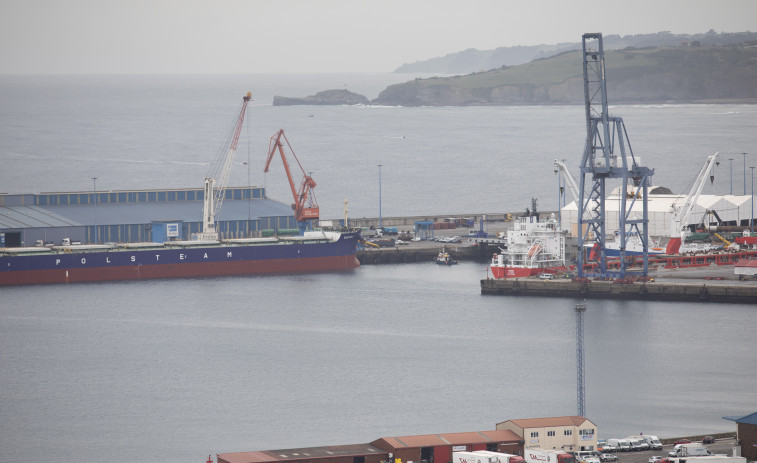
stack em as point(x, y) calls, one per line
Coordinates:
point(356, 453)
point(438, 448)
point(567, 433)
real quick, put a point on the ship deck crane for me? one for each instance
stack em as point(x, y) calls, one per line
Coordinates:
point(305, 205)
point(218, 177)
point(680, 221)
point(569, 180)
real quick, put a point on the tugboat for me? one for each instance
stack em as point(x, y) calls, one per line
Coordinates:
point(444, 258)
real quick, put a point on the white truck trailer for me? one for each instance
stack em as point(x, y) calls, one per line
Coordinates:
point(501, 457)
point(547, 456)
point(485, 456)
point(694, 449)
point(705, 459)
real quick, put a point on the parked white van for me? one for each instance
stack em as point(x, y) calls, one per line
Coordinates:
point(653, 441)
point(637, 443)
point(620, 445)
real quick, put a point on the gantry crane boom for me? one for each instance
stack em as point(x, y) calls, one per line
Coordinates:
point(215, 182)
point(305, 205)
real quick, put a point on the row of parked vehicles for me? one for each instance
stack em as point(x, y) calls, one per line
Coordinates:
point(630, 444)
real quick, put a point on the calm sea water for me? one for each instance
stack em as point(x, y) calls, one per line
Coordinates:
point(179, 369)
point(56, 133)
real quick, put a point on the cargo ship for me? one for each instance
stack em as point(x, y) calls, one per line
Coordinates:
point(315, 251)
point(532, 247)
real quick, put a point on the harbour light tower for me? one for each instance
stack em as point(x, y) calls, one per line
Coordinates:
point(580, 376)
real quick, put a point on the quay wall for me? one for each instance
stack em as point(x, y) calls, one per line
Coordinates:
point(653, 291)
point(408, 222)
point(404, 255)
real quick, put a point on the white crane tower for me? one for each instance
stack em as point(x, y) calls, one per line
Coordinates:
point(218, 177)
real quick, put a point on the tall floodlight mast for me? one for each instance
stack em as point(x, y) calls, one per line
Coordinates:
point(602, 160)
point(580, 392)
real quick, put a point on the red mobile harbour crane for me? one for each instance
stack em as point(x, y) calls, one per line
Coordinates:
point(305, 206)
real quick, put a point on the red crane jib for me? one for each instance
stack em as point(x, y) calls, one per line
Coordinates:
point(305, 205)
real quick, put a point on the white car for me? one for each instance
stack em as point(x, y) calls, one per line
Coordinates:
point(654, 458)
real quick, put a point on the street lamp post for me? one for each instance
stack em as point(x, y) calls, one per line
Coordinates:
point(744, 173)
point(751, 216)
point(94, 189)
point(559, 196)
point(380, 225)
point(731, 162)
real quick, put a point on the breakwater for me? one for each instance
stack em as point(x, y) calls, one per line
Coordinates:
point(593, 289)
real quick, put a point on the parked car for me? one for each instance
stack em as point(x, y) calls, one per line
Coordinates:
point(708, 440)
point(654, 458)
point(606, 448)
point(682, 441)
point(608, 457)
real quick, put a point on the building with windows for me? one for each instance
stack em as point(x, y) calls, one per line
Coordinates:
point(566, 433)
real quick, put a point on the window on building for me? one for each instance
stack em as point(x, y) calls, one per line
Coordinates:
point(550, 433)
point(586, 432)
point(535, 434)
point(568, 432)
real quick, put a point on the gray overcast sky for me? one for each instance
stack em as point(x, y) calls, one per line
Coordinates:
point(280, 36)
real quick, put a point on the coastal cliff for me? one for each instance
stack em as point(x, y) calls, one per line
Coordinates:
point(652, 75)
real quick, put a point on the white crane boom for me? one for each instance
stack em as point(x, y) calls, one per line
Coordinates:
point(569, 180)
point(214, 195)
point(681, 214)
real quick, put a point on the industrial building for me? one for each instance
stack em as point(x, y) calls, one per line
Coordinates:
point(566, 433)
point(438, 448)
point(709, 212)
point(428, 448)
point(136, 216)
point(746, 434)
point(575, 433)
point(356, 453)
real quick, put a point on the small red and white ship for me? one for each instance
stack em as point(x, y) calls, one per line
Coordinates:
point(532, 247)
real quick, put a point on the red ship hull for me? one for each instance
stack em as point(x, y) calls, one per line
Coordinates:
point(199, 269)
point(522, 272)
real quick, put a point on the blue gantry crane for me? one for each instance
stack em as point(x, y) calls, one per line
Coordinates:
point(607, 156)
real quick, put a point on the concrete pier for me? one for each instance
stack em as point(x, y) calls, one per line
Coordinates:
point(693, 291)
point(409, 254)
